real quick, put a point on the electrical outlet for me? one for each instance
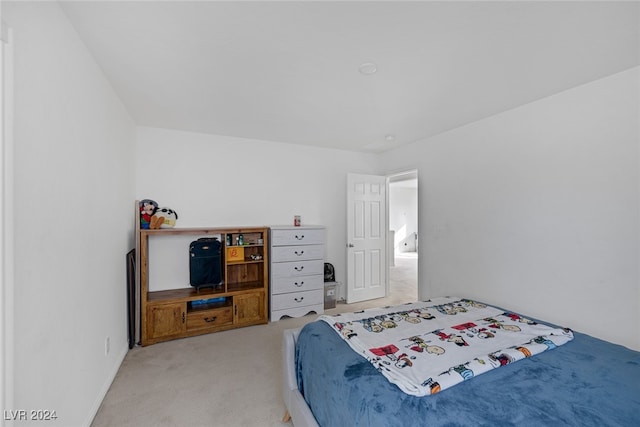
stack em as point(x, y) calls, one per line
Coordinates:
point(107, 346)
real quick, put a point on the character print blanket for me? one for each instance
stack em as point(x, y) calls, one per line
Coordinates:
point(426, 347)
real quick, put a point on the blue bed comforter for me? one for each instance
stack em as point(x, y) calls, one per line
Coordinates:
point(586, 382)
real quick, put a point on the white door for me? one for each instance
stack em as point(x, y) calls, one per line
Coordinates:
point(366, 237)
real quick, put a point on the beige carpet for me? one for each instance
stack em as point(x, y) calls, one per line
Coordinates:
point(230, 378)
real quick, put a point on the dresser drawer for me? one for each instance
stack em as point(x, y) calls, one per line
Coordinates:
point(205, 319)
point(297, 299)
point(299, 236)
point(297, 268)
point(281, 285)
point(297, 253)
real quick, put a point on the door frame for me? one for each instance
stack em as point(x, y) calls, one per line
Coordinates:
point(389, 177)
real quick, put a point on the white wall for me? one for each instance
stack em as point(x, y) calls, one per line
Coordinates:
point(222, 181)
point(537, 209)
point(74, 147)
point(403, 215)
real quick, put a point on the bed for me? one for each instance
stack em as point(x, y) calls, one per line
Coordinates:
point(584, 382)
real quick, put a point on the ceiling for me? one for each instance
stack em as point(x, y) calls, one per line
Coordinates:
point(289, 71)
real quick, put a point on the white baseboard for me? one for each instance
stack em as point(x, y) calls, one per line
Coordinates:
point(105, 387)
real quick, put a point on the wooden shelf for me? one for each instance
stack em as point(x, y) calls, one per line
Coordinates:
point(186, 294)
point(204, 231)
point(246, 261)
point(243, 286)
point(210, 305)
point(171, 314)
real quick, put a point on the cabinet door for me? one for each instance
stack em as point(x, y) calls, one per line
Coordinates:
point(249, 309)
point(166, 320)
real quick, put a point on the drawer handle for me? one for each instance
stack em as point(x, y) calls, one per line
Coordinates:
point(299, 300)
point(299, 237)
point(299, 269)
point(299, 284)
point(299, 254)
point(210, 319)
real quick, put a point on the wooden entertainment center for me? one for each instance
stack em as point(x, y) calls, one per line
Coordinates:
point(240, 300)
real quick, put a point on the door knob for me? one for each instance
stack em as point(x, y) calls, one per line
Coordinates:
point(349, 245)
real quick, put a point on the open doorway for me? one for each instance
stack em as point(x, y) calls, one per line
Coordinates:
point(403, 236)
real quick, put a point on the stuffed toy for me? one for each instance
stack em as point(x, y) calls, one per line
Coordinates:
point(147, 208)
point(164, 218)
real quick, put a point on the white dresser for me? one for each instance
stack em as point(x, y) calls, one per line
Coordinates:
point(297, 271)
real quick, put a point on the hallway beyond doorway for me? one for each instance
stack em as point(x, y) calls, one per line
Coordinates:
point(403, 276)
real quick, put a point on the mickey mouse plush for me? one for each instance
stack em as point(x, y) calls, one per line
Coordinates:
point(147, 208)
